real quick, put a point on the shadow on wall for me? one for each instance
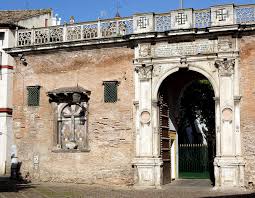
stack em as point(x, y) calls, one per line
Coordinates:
point(15, 182)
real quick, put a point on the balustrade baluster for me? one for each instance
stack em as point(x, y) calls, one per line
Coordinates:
point(117, 28)
point(99, 32)
point(65, 32)
point(82, 32)
point(17, 37)
point(33, 36)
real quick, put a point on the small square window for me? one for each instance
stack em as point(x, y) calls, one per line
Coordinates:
point(33, 95)
point(110, 91)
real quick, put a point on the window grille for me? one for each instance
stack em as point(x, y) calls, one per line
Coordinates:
point(110, 91)
point(33, 95)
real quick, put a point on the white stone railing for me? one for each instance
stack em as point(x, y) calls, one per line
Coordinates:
point(75, 32)
point(140, 23)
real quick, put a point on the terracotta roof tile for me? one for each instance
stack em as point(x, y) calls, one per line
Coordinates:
point(14, 16)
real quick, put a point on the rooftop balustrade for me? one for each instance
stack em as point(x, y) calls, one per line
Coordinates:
point(221, 15)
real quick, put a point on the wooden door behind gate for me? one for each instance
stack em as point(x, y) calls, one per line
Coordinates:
point(165, 140)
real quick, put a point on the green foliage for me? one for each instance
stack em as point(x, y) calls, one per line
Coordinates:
point(198, 103)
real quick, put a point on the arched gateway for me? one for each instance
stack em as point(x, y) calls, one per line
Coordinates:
point(153, 64)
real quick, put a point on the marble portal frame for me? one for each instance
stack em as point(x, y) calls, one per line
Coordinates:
point(222, 71)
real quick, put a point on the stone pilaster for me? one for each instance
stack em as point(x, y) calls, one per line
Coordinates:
point(148, 167)
point(228, 163)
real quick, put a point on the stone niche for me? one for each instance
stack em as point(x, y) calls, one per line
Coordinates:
point(71, 110)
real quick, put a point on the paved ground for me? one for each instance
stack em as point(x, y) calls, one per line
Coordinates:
point(178, 189)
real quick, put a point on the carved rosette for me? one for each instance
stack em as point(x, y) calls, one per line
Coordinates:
point(225, 67)
point(144, 72)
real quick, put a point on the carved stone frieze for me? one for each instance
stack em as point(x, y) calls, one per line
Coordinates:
point(157, 70)
point(144, 50)
point(144, 71)
point(225, 66)
point(202, 46)
point(225, 44)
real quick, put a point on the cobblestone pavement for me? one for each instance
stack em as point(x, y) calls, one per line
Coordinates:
point(178, 189)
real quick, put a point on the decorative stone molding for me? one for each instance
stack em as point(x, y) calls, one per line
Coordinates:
point(144, 72)
point(181, 19)
point(143, 22)
point(229, 171)
point(222, 15)
point(237, 99)
point(225, 44)
point(157, 70)
point(227, 115)
point(201, 46)
point(225, 66)
point(136, 103)
point(237, 129)
point(183, 63)
point(155, 103)
point(144, 50)
point(145, 117)
point(71, 105)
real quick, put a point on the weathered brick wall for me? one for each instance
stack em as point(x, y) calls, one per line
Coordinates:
point(110, 128)
point(247, 88)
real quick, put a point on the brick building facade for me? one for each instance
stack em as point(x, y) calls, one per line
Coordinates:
point(95, 114)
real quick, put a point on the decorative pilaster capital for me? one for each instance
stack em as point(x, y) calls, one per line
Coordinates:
point(225, 66)
point(144, 71)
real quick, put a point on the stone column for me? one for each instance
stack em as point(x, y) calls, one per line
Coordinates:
point(148, 166)
point(228, 166)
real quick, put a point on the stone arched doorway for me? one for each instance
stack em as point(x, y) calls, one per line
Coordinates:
point(187, 126)
point(223, 76)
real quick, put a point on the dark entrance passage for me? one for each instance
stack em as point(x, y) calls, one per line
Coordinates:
point(188, 98)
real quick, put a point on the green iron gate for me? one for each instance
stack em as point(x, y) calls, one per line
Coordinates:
point(193, 161)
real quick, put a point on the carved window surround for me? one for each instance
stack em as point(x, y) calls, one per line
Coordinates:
point(71, 115)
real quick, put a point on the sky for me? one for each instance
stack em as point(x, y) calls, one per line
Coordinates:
point(87, 10)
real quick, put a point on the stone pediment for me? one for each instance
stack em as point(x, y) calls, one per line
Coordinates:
point(67, 94)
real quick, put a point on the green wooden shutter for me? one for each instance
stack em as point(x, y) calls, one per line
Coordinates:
point(110, 91)
point(33, 95)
